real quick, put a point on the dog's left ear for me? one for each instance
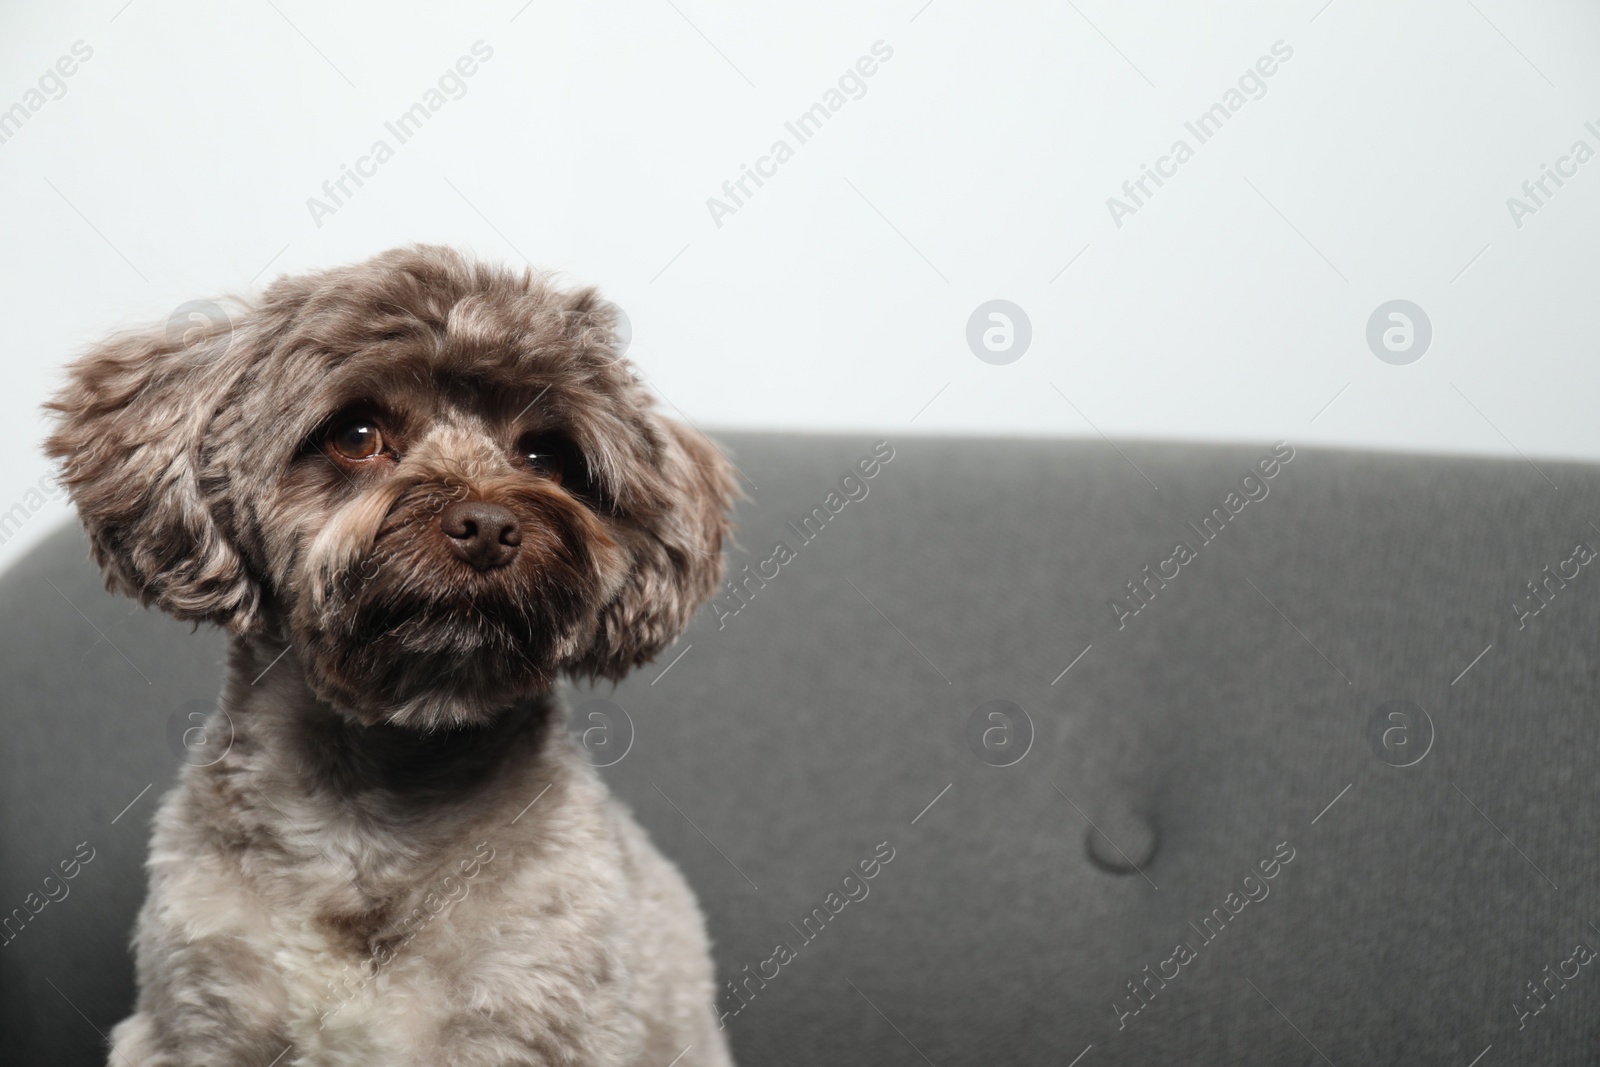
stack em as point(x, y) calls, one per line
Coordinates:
point(678, 565)
point(133, 419)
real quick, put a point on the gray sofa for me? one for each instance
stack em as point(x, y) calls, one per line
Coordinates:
point(1316, 790)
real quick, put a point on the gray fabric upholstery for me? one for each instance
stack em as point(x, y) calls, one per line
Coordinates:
point(823, 717)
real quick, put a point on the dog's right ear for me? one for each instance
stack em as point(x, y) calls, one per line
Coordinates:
point(131, 432)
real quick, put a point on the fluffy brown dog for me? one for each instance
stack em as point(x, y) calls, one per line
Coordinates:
point(416, 491)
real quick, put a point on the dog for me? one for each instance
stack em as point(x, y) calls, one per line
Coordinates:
point(416, 492)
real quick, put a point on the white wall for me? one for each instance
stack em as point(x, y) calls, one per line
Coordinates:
point(1232, 304)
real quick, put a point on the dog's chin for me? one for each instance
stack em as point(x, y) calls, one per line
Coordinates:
point(438, 708)
point(434, 673)
point(426, 693)
point(429, 709)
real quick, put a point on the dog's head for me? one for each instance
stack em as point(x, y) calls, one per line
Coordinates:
point(436, 479)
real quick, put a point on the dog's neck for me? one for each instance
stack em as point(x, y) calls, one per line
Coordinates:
point(358, 820)
point(290, 736)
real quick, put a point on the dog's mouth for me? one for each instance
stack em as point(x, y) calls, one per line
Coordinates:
point(416, 632)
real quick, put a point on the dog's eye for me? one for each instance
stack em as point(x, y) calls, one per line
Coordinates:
point(546, 455)
point(356, 439)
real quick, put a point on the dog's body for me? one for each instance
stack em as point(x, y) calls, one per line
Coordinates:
point(512, 913)
point(392, 854)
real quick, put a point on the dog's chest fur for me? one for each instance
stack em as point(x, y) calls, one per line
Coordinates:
point(339, 1007)
point(353, 924)
point(345, 959)
point(340, 932)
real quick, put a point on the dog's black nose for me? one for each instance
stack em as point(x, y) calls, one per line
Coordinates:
point(485, 535)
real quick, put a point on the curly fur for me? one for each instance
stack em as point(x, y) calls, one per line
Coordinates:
point(400, 859)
